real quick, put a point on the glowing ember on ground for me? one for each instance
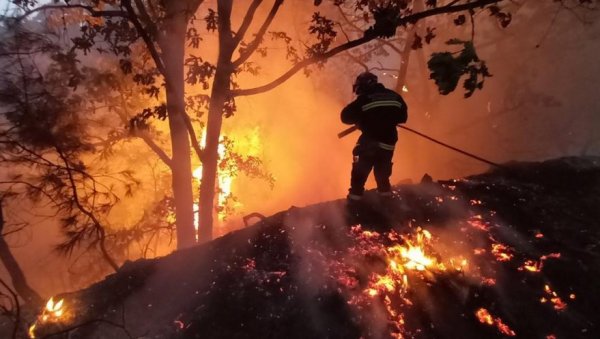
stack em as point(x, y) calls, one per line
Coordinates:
point(477, 223)
point(501, 252)
point(556, 301)
point(485, 317)
point(53, 312)
point(409, 259)
point(536, 266)
point(532, 266)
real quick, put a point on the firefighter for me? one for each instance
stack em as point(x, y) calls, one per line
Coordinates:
point(376, 111)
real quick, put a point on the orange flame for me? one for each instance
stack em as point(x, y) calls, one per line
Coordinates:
point(501, 252)
point(557, 303)
point(52, 312)
point(485, 317)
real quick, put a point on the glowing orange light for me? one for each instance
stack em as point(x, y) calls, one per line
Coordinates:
point(52, 312)
point(557, 303)
point(485, 317)
point(477, 223)
point(532, 266)
point(501, 252)
point(479, 251)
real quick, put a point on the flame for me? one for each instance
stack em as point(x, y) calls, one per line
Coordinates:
point(31, 331)
point(536, 266)
point(52, 312)
point(224, 181)
point(556, 301)
point(478, 223)
point(532, 266)
point(53, 309)
point(484, 317)
point(412, 255)
point(501, 252)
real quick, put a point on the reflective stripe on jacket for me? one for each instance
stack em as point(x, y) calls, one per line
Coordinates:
point(376, 113)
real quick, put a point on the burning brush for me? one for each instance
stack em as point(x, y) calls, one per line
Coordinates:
point(53, 312)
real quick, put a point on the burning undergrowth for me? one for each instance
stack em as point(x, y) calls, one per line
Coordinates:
point(503, 254)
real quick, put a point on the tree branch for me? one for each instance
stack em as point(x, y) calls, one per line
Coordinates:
point(154, 147)
point(353, 25)
point(97, 225)
point(93, 12)
point(32, 186)
point(133, 18)
point(357, 42)
point(14, 269)
point(193, 137)
point(144, 14)
point(259, 35)
point(239, 36)
point(17, 308)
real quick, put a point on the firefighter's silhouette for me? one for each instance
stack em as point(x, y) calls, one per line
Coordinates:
point(376, 112)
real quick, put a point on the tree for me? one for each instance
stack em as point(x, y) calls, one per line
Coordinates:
point(166, 27)
point(14, 269)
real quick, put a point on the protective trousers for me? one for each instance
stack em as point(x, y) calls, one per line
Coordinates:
point(369, 156)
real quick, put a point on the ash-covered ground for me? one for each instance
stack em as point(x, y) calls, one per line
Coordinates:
point(509, 253)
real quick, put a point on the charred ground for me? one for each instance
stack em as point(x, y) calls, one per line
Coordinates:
point(529, 232)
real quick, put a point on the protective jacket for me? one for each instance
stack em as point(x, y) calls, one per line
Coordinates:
point(376, 113)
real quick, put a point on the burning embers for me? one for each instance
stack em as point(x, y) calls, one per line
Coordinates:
point(485, 317)
point(396, 273)
point(398, 262)
point(54, 312)
point(411, 256)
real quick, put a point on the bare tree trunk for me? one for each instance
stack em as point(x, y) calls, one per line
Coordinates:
point(219, 96)
point(14, 270)
point(411, 157)
point(173, 47)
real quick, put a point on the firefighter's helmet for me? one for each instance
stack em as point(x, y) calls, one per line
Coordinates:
point(363, 82)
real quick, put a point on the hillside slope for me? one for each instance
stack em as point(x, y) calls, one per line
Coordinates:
point(508, 253)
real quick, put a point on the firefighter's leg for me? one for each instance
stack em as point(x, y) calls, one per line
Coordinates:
point(361, 167)
point(383, 171)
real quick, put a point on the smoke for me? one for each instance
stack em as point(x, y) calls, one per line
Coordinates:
point(540, 103)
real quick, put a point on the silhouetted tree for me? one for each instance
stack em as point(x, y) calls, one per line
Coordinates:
point(164, 29)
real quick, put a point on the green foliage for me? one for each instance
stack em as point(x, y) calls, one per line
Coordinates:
point(447, 69)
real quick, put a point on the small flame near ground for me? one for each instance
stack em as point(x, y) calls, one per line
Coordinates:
point(53, 312)
point(410, 257)
point(484, 316)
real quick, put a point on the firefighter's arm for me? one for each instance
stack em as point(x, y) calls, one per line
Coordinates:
point(351, 113)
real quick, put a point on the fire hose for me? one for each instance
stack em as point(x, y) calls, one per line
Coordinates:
point(471, 155)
